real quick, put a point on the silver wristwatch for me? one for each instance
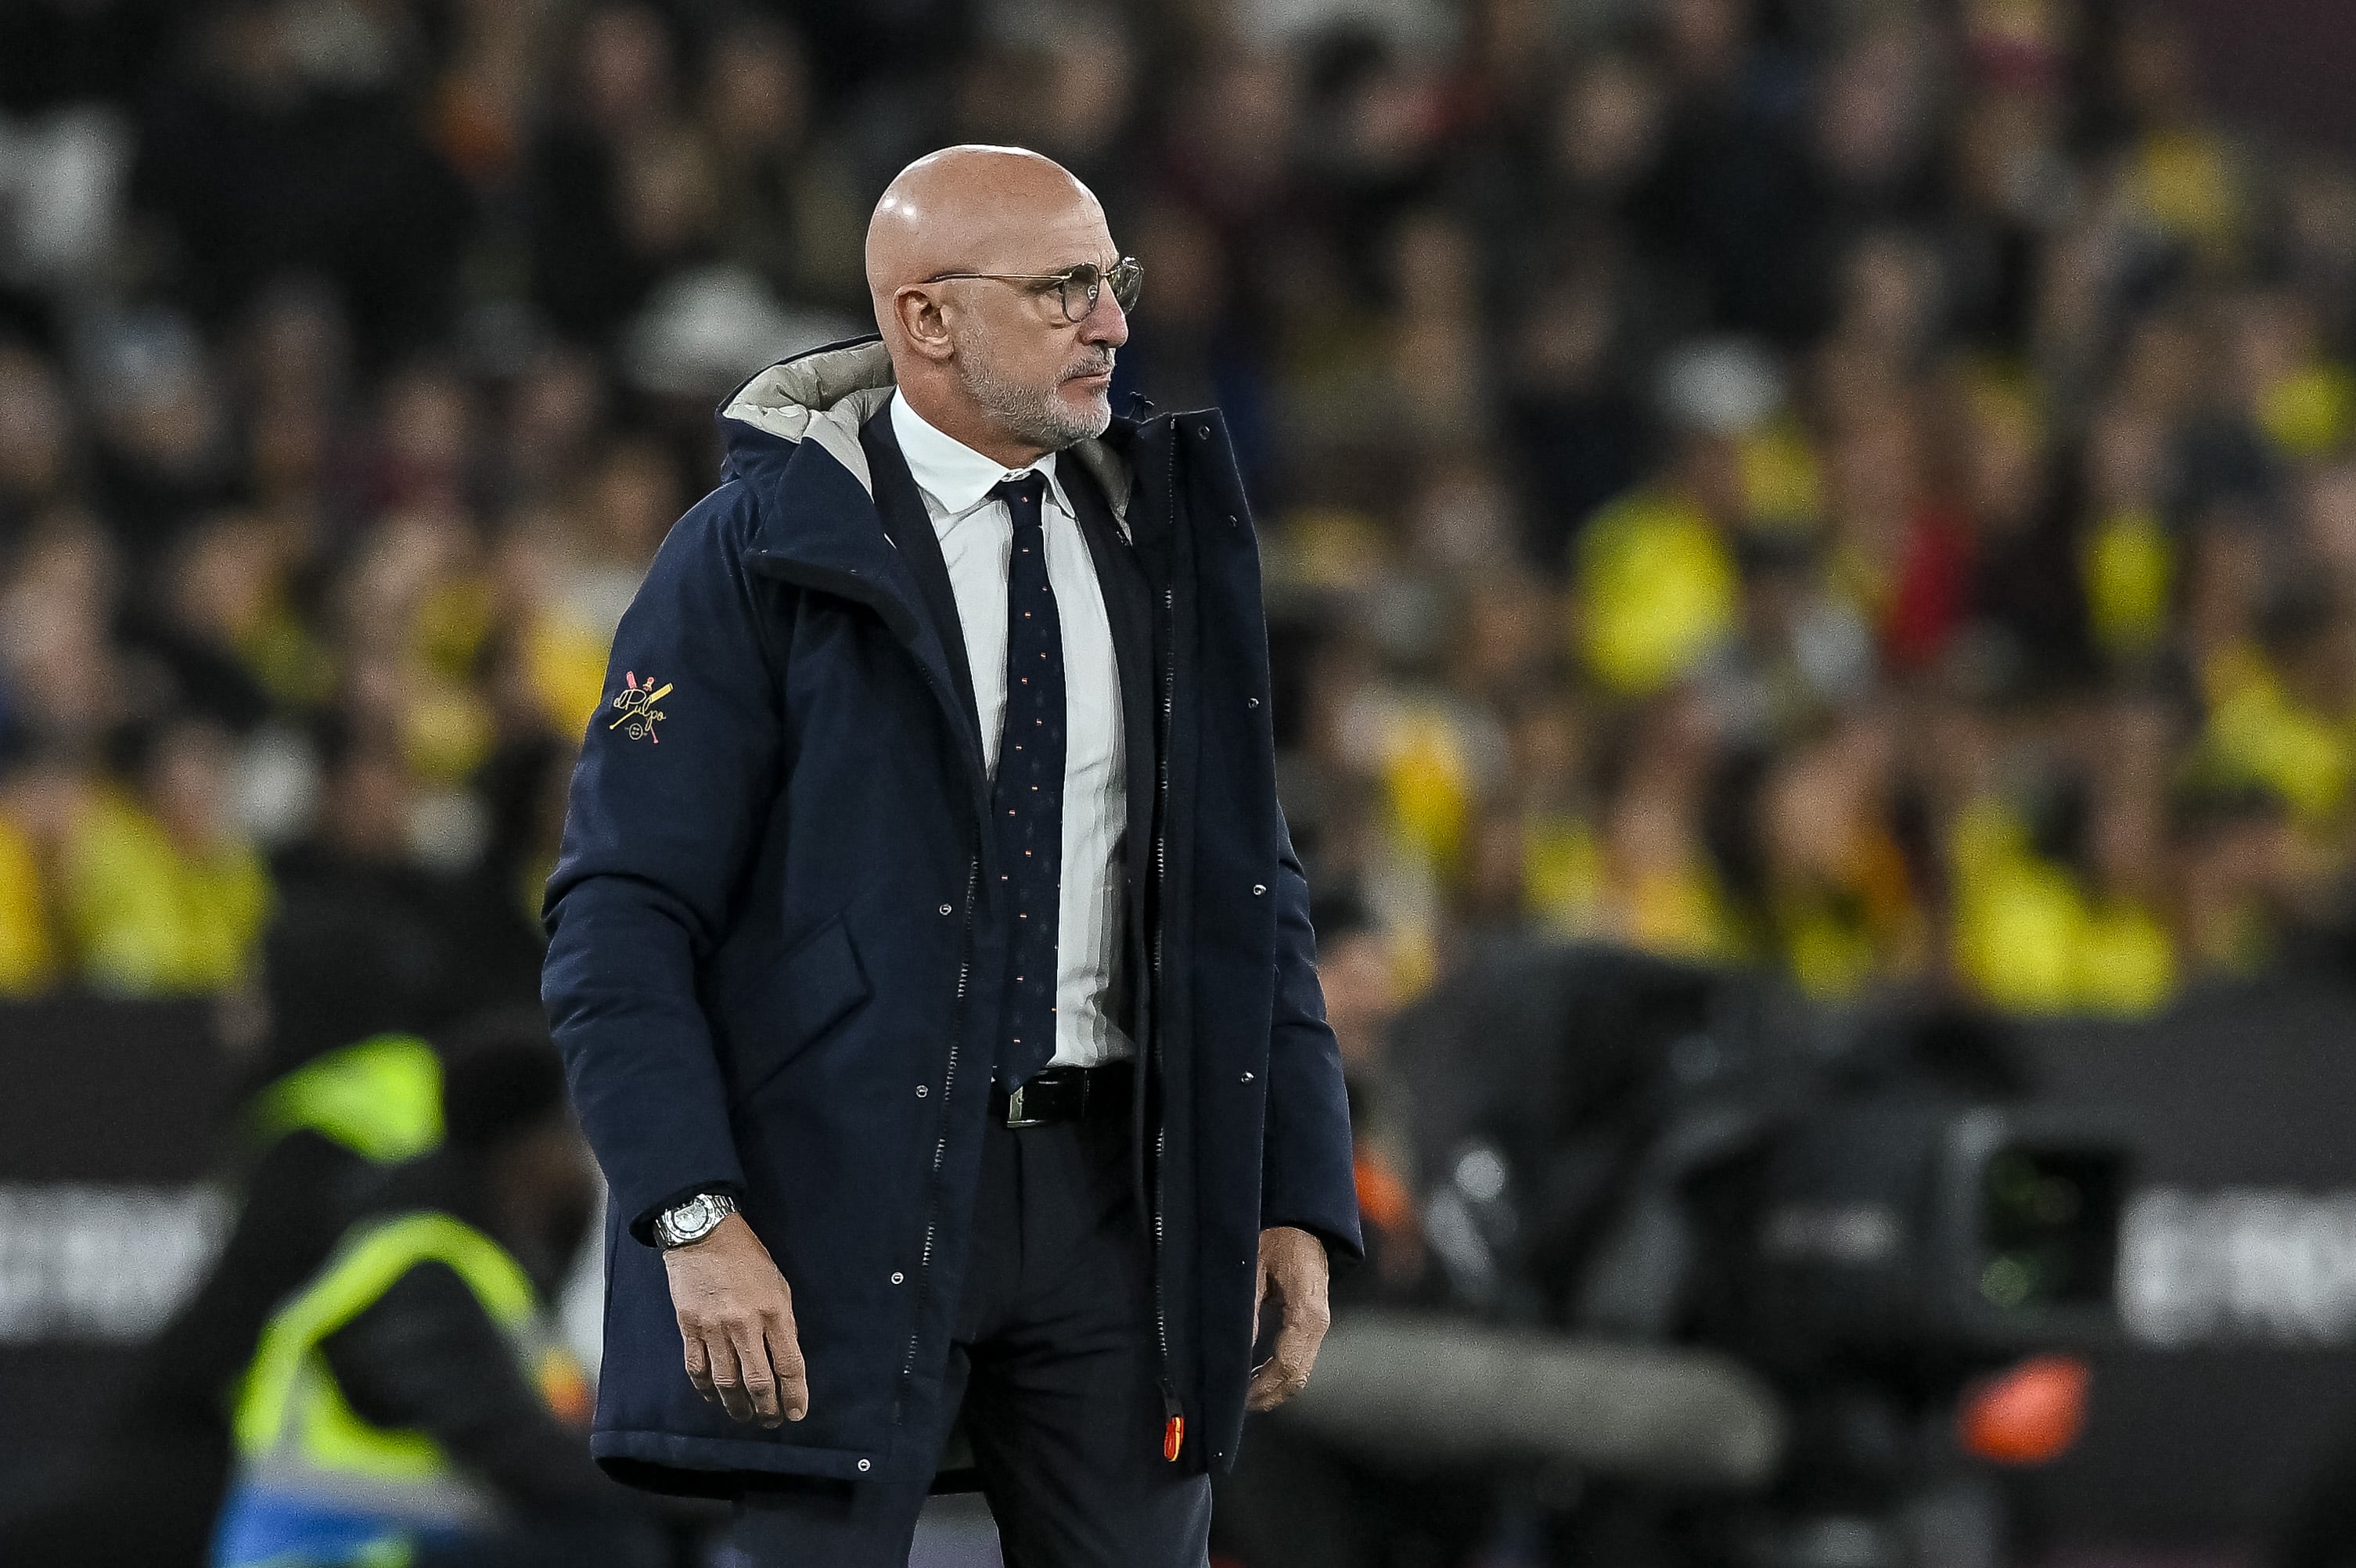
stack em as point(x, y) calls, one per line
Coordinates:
point(694, 1220)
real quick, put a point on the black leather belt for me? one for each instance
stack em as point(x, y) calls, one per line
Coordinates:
point(1065, 1094)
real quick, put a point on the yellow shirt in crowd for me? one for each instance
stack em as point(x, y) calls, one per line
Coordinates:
point(28, 954)
point(2030, 937)
point(148, 917)
point(1657, 590)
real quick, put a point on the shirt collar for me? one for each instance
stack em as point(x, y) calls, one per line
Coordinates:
point(954, 478)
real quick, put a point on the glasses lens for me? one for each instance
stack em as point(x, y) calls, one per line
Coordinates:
point(1085, 284)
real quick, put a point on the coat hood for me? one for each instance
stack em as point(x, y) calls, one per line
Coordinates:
point(825, 394)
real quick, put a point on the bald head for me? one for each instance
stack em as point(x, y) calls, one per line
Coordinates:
point(970, 210)
point(992, 360)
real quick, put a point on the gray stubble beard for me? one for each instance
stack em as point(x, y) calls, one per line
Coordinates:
point(1031, 414)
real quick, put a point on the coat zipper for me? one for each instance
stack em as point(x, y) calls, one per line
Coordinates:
point(949, 1090)
point(949, 1083)
point(1174, 1416)
point(941, 1144)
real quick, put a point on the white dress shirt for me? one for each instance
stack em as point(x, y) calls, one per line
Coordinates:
point(976, 537)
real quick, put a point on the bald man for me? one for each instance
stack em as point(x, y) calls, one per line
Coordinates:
point(928, 951)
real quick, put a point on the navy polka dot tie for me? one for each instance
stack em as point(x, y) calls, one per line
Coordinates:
point(1027, 798)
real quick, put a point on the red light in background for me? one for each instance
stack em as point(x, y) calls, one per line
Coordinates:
point(2029, 1414)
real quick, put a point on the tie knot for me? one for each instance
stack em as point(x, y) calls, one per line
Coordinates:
point(1021, 495)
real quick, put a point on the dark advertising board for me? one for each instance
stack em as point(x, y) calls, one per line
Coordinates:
point(2237, 1370)
point(2235, 1373)
point(109, 1115)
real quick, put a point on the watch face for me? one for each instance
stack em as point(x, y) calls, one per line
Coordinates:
point(696, 1217)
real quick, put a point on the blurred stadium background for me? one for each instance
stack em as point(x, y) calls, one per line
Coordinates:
point(1859, 494)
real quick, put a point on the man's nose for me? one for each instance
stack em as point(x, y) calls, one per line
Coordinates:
point(1107, 323)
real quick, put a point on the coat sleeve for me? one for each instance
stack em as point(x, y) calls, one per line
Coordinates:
point(1307, 1166)
point(659, 830)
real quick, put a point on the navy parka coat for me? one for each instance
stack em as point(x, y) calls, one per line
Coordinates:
point(774, 959)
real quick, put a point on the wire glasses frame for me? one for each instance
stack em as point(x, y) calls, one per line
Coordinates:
point(1076, 288)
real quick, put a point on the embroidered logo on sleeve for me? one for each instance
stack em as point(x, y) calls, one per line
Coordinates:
point(636, 704)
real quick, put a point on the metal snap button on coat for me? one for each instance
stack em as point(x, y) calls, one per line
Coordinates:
point(945, 909)
point(1258, 888)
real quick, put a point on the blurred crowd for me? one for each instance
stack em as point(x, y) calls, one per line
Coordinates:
point(1857, 487)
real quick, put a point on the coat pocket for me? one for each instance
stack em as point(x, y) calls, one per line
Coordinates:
point(818, 984)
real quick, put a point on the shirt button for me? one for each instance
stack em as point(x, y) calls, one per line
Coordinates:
point(945, 909)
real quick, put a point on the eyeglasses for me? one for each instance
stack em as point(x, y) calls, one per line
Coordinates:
point(1076, 289)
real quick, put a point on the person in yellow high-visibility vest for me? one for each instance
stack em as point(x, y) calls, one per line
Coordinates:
point(309, 1143)
point(409, 1404)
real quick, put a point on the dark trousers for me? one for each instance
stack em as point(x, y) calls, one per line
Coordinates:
point(1054, 1350)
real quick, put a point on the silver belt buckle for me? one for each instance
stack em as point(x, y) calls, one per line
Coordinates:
point(1014, 1117)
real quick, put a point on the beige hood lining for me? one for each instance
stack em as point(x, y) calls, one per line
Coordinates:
point(826, 397)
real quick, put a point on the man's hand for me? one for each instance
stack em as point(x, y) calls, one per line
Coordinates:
point(1292, 1267)
point(736, 1322)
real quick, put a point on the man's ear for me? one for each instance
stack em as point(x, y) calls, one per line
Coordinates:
point(918, 309)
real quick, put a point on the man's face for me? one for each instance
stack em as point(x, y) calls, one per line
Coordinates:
point(1044, 381)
